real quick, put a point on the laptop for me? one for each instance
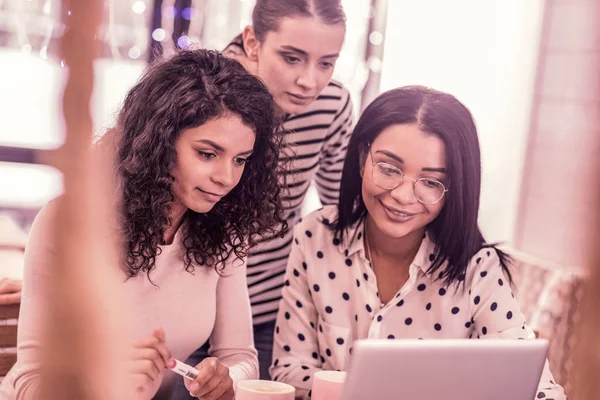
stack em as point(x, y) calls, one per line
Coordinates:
point(453, 369)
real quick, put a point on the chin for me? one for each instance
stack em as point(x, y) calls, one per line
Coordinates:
point(290, 108)
point(202, 208)
point(397, 230)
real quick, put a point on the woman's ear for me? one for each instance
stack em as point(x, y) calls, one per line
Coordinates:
point(251, 43)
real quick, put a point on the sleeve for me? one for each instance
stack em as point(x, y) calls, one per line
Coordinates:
point(295, 345)
point(496, 313)
point(23, 380)
point(329, 174)
point(232, 339)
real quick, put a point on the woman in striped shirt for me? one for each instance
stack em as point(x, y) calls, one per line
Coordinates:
point(293, 46)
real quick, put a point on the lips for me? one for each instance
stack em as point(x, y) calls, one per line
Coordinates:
point(300, 99)
point(396, 214)
point(213, 197)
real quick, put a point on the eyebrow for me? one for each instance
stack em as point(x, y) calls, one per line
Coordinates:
point(401, 161)
point(220, 148)
point(304, 53)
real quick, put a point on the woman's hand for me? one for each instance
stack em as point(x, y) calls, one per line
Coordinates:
point(10, 291)
point(149, 360)
point(213, 382)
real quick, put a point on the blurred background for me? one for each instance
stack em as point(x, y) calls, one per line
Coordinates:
point(528, 70)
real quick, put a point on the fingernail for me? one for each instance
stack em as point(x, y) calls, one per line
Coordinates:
point(171, 363)
point(194, 386)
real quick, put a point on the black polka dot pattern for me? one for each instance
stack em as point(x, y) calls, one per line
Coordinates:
point(333, 300)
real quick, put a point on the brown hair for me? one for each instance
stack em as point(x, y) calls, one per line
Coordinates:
point(268, 13)
point(177, 94)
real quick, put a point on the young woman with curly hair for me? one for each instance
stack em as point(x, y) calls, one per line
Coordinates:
point(196, 149)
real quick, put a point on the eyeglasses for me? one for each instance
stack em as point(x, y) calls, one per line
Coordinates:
point(388, 177)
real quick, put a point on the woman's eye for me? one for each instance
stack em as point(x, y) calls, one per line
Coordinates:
point(291, 60)
point(327, 65)
point(208, 156)
point(241, 161)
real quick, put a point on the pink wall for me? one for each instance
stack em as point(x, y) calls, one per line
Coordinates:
point(563, 152)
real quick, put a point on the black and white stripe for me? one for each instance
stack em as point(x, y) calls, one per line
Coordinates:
point(318, 140)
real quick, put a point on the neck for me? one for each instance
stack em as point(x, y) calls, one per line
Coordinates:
point(402, 249)
point(176, 213)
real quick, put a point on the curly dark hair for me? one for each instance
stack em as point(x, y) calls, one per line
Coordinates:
point(173, 95)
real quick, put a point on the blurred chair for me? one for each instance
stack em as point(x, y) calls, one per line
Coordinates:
point(550, 298)
point(12, 247)
point(9, 313)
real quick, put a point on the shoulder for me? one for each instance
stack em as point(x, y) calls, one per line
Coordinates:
point(316, 224)
point(485, 265)
point(335, 93)
point(44, 221)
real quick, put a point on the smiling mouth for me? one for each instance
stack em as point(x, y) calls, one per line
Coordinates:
point(397, 212)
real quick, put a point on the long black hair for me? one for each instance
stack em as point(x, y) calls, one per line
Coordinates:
point(455, 231)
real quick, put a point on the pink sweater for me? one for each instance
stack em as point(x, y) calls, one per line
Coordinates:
point(220, 306)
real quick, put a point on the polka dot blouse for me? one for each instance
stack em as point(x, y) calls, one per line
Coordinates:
point(330, 299)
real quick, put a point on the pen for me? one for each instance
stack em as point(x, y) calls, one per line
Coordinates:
point(183, 369)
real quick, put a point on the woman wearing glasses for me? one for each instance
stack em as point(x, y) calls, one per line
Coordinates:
point(401, 256)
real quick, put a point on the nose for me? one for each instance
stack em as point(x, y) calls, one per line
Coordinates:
point(405, 192)
point(223, 174)
point(308, 78)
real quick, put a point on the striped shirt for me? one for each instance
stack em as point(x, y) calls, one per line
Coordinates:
point(318, 139)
